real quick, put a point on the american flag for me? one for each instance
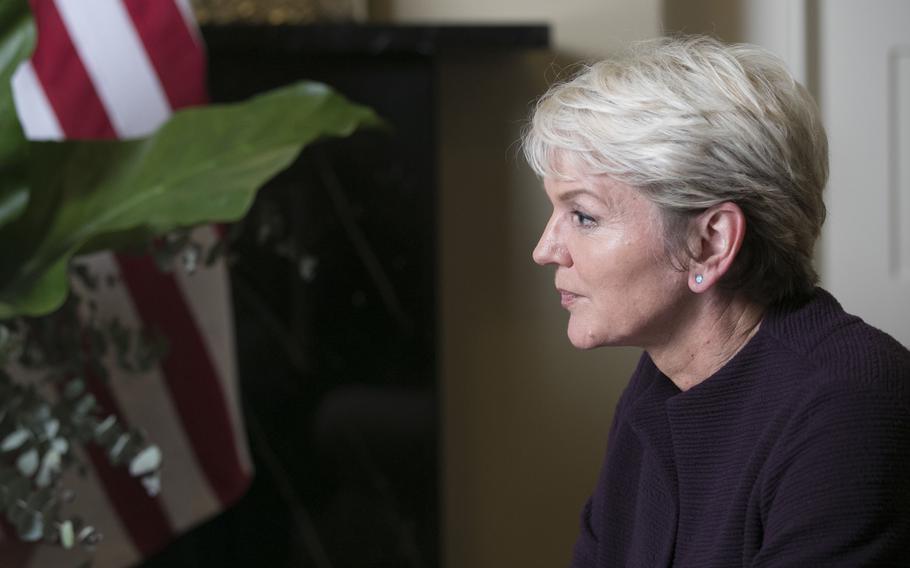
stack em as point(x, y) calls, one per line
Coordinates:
point(117, 69)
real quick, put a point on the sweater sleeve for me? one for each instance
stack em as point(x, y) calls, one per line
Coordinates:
point(837, 492)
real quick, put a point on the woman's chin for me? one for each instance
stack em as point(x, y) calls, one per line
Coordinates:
point(585, 335)
point(583, 339)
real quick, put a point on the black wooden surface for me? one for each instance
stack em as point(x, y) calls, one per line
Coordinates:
point(338, 364)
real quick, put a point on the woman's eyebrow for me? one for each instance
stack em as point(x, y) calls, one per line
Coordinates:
point(573, 193)
point(602, 197)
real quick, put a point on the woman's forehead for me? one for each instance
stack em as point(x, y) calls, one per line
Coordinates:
point(613, 193)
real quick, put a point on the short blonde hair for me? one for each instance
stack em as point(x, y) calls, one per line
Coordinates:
point(691, 123)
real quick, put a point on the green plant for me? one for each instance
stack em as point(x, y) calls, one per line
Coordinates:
point(61, 199)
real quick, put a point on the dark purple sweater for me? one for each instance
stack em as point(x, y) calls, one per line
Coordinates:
point(795, 453)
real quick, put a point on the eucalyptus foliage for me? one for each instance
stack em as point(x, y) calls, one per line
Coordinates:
point(50, 410)
point(61, 199)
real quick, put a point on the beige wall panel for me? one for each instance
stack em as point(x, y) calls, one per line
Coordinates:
point(583, 28)
point(525, 416)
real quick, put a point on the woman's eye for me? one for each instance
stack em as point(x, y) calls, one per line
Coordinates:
point(583, 220)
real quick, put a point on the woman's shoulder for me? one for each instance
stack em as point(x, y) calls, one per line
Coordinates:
point(842, 351)
point(846, 428)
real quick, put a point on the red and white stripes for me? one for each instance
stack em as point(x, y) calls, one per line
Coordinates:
point(117, 69)
point(108, 68)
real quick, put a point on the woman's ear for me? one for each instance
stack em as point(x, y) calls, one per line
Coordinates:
point(716, 238)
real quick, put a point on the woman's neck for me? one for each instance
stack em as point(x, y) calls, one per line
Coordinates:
point(717, 329)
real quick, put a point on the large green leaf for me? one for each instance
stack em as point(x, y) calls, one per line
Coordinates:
point(203, 165)
point(17, 39)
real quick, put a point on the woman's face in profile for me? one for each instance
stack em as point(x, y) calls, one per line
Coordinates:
point(612, 273)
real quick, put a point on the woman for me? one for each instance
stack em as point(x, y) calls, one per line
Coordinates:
point(763, 426)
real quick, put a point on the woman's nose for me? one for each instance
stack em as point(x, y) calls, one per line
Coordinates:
point(549, 249)
point(539, 254)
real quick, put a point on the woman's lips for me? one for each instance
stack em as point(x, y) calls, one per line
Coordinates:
point(566, 298)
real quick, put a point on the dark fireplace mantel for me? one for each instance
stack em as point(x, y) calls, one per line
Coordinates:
point(336, 315)
point(373, 39)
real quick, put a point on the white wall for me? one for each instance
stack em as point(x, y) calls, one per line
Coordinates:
point(863, 70)
point(525, 417)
